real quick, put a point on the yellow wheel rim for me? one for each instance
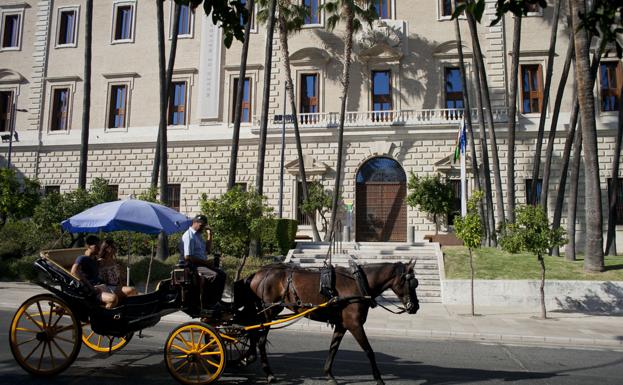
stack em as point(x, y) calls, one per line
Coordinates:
point(194, 354)
point(100, 343)
point(44, 335)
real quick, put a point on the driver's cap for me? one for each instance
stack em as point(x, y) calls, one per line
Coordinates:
point(201, 219)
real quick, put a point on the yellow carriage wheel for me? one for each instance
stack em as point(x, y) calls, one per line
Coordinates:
point(44, 335)
point(194, 354)
point(100, 343)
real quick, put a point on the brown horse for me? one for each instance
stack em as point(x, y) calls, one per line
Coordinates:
point(282, 286)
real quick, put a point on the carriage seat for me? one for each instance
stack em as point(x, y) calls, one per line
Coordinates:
point(63, 257)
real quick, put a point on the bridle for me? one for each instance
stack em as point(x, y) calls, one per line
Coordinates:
point(411, 283)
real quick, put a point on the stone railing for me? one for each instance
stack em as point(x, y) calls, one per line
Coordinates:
point(385, 118)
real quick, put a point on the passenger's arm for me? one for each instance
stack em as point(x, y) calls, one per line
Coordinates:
point(76, 271)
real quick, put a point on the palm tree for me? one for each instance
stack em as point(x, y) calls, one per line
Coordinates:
point(239, 95)
point(268, 62)
point(351, 13)
point(536, 163)
point(549, 152)
point(594, 259)
point(484, 90)
point(291, 19)
point(468, 121)
point(611, 246)
point(570, 252)
point(86, 101)
point(512, 113)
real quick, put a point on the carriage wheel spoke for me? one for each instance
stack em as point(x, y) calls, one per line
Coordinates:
point(30, 317)
point(65, 329)
point(61, 350)
point(41, 315)
point(60, 316)
point(41, 357)
point(199, 343)
point(181, 349)
point(26, 330)
point(184, 363)
point(204, 347)
point(50, 317)
point(192, 338)
point(64, 339)
point(181, 338)
point(27, 341)
point(210, 353)
point(90, 335)
point(197, 372)
point(32, 351)
point(51, 355)
point(207, 369)
point(216, 365)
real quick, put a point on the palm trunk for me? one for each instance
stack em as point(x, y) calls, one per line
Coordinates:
point(512, 115)
point(348, 49)
point(574, 178)
point(484, 153)
point(285, 49)
point(471, 275)
point(536, 162)
point(86, 99)
point(268, 62)
point(468, 120)
point(233, 161)
point(594, 259)
point(611, 246)
point(542, 287)
point(162, 127)
point(484, 89)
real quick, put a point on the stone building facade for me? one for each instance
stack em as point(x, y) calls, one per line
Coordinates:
point(404, 105)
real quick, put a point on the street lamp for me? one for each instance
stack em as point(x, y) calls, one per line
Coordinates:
point(12, 133)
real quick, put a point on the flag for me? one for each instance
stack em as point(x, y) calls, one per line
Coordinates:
point(461, 142)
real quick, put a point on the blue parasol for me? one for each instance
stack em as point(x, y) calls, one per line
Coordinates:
point(127, 215)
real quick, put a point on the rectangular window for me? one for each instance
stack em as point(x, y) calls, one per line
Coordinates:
point(60, 109)
point(6, 110)
point(184, 27)
point(124, 19)
point(533, 8)
point(313, 11)
point(173, 196)
point(245, 116)
point(51, 190)
point(309, 94)
point(619, 207)
point(67, 27)
point(118, 106)
point(302, 218)
point(455, 206)
point(11, 27)
point(539, 186)
point(453, 87)
point(383, 9)
point(114, 190)
point(447, 7)
point(252, 15)
point(610, 85)
point(177, 104)
point(531, 89)
point(381, 95)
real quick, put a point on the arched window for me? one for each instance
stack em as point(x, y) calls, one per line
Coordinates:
point(381, 170)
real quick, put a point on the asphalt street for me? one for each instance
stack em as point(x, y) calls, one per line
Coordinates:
point(298, 357)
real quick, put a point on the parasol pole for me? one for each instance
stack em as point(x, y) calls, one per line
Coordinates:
point(128, 267)
point(151, 259)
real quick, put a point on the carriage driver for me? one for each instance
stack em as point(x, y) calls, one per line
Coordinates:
point(193, 253)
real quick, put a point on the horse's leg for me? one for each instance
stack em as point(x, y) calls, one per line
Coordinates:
point(362, 339)
point(338, 334)
point(263, 338)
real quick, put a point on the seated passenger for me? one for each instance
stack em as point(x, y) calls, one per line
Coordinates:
point(86, 269)
point(193, 254)
point(111, 273)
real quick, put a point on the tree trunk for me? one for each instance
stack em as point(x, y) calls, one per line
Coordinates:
point(536, 162)
point(339, 166)
point(542, 287)
point(484, 152)
point(243, 262)
point(594, 259)
point(86, 98)
point(574, 178)
point(162, 126)
point(611, 246)
point(285, 49)
point(268, 62)
point(468, 120)
point(233, 161)
point(549, 152)
point(471, 274)
point(512, 116)
point(484, 89)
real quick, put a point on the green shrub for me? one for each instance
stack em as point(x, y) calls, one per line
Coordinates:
point(230, 265)
point(286, 234)
point(159, 269)
point(18, 198)
point(509, 241)
point(433, 195)
point(21, 269)
point(20, 238)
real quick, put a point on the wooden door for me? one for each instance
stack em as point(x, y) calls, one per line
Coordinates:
point(381, 212)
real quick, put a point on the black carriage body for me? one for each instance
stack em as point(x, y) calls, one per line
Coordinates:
point(136, 313)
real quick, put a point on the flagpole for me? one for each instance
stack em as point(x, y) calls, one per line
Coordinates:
point(462, 146)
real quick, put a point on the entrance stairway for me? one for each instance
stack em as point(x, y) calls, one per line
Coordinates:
point(426, 254)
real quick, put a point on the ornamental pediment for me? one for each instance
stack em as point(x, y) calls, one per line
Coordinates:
point(309, 55)
point(448, 165)
point(381, 52)
point(8, 76)
point(312, 166)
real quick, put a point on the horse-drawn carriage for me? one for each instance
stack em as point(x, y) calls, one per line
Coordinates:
point(48, 330)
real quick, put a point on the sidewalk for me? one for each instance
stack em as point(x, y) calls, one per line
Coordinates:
point(447, 322)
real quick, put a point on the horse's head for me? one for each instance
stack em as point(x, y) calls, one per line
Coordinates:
point(404, 286)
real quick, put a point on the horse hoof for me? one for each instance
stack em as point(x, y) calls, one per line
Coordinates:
point(331, 381)
point(380, 382)
point(271, 379)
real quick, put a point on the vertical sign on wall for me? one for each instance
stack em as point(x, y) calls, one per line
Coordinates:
point(210, 69)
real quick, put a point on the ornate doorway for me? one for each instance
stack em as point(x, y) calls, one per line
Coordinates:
point(381, 212)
